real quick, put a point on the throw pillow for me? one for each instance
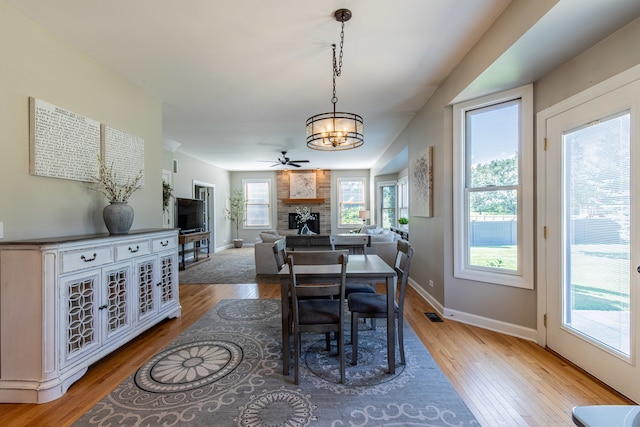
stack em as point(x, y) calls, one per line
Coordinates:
point(376, 230)
point(382, 237)
point(269, 236)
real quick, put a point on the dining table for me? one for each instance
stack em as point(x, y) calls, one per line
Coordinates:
point(368, 268)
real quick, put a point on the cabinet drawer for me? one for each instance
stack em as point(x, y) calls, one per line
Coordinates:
point(86, 258)
point(169, 242)
point(132, 249)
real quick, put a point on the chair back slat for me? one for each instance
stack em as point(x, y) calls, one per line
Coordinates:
point(354, 243)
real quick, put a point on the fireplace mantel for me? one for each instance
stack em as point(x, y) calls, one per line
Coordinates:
point(302, 201)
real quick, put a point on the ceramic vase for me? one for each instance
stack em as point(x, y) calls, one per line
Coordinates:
point(304, 229)
point(118, 217)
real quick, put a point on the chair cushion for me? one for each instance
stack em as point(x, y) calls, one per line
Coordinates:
point(351, 288)
point(368, 303)
point(314, 311)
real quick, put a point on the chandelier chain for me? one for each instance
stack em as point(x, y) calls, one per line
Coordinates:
point(337, 65)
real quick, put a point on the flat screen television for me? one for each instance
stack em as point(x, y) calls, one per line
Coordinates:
point(189, 215)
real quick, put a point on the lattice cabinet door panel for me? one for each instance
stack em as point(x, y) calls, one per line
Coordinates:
point(147, 304)
point(116, 302)
point(167, 281)
point(81, 333)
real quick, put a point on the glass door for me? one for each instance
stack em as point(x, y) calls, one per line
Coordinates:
point(591, 245)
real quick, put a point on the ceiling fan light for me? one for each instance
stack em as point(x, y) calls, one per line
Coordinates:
point(335, 131)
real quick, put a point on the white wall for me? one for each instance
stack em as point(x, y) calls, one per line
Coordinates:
point(37, 63)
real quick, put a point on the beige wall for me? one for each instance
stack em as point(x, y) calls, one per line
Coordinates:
point(616, 53)
point(36, 63)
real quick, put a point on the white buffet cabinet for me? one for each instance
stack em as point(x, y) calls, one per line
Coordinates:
point(67, 302)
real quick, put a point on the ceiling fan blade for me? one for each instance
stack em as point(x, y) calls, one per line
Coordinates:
point(299, 161)
point(293, 164)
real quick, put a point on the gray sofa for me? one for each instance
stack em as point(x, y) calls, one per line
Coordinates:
point(383, 243)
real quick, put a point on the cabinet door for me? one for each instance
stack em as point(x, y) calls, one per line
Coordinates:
point(81, 333)
point(115, 306)
point(147, 305)
point(167, 281)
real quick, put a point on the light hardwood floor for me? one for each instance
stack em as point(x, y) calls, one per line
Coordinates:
point(505, 381)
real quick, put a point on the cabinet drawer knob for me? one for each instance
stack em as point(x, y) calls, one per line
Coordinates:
point(159, 284)
point(133, 251)
point(102, 307)
point(165, 243)
point(85, 259)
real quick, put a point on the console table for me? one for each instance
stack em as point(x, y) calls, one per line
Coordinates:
point(194, 238)
point(308, 241)
point(67, 302)
point(312, 241)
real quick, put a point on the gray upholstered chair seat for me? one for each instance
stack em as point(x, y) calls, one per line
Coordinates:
point(369, 303)
point(352, 288)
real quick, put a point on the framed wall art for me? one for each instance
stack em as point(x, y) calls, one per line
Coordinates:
point(421, 184)
point(302, 185)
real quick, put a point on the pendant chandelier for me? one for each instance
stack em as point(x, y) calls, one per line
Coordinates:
point(336, 131)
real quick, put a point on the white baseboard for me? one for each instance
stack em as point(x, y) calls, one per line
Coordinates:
point(474, 320)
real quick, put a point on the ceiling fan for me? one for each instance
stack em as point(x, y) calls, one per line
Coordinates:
point(285, 161)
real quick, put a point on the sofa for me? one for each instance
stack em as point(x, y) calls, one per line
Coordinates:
point(383, 243)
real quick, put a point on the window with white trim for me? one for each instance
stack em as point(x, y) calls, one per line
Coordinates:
point(257, 193)
point(493, 188)
point(403, 198)
point(350, 201)
point(387, 197)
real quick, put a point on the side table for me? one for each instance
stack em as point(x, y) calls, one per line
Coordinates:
point(194, 238)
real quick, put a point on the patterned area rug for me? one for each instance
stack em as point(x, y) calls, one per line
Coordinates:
point(226, 370)
point(227, 266)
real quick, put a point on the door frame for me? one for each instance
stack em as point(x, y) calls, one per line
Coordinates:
point(210, 208)
point(542, 117)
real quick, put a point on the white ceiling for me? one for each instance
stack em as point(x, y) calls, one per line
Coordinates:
point(238, 79)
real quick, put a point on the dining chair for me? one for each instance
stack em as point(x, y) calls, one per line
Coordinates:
point(280, 253)
point(317, 307)
point(374, 306)
point(356, 244)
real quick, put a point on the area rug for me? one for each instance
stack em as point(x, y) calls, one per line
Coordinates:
point(227, 266)
point(226, 370)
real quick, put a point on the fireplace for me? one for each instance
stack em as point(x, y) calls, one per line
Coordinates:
point(314, 224)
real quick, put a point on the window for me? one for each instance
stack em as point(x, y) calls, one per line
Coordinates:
point(257, 195)
point(387, 197)
point(493, 189)
point(403, 198)
point(351, 200)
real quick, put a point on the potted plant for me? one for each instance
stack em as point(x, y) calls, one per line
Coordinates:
point(117, 215)
point(167, 194)
point(403, 221)
point(235, 213)
point(303, 216)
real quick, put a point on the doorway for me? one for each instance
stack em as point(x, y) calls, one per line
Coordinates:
point(591, 248)
point(205, 191)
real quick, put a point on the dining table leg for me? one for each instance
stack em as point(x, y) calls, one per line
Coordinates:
point(284, 300)
point(391, 328)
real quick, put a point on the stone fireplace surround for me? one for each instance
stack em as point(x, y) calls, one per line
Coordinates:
point(321, 204)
